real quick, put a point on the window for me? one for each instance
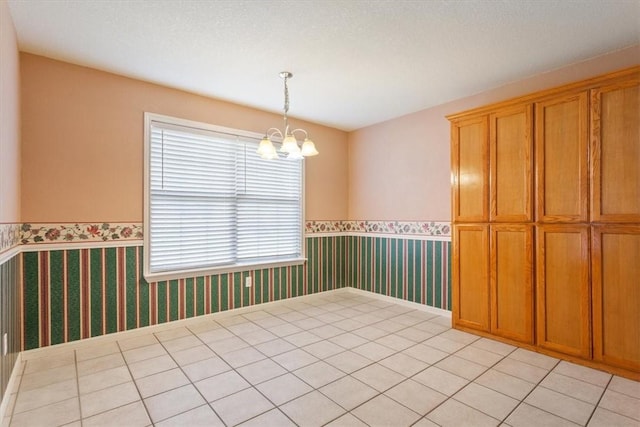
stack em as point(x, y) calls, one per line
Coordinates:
point(212, 205)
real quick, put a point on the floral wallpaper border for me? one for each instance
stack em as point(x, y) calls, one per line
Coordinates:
point(79, 232)
point(9, 236)
point(32, 233)
point(420, 228)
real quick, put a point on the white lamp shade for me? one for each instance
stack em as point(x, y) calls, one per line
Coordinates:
point(266, 149)
point(295, 154)
point(309, 148)
point(289, 144)
point(270, 155)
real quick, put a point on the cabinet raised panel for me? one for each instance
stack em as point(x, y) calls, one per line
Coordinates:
point(562, 153)
point(470, 170)
point(562, 289)
point(512, 281)
point(615, 152)
point(471, 276)
point(616, 295)
point(511, 153)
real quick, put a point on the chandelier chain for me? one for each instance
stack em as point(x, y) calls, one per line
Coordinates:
point(286, 96)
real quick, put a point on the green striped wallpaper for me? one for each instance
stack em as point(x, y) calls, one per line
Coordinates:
point(9, 319)
point(80, 293)
point(413, 270)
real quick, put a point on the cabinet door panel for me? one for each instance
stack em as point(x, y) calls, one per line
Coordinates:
point(616, 295)
point(562, 159)
point(615, 148)
point(563, 292)
point(470, 170)
point(511, 153)
point(471, 276)
point(512, 281)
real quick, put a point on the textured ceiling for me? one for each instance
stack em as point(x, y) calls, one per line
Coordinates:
point(355, 63)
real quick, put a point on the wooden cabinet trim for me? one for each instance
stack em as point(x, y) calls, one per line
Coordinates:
point(583, 161)
point(457, 317)
point(583, 299)
point(596, 146)
point(541, 95)
point(501, 326)
point(456, 183)
point(527, 163)
point(598, 298)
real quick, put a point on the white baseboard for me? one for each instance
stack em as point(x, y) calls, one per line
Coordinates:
point(414, 305)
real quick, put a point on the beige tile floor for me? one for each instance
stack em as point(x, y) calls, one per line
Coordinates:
point(336, 359)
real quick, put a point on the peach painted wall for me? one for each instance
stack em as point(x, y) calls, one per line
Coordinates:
point(400, 169)
point(9, 119)
point(82, 143)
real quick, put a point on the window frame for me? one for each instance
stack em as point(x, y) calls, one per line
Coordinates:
point(149, 118)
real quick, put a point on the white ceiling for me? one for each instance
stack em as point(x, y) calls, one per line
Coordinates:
point(355, 63)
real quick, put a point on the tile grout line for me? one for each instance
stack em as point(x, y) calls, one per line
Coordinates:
point(18, 386)
point(253, 386)
point(320, 360)
point(321, 339)
point(75, 366)
point(532, 390)
point(144, 405)
point(207, 403)
point(350, 374)
point(470, 381)
point(429, 365)
point(604, 389)
point(595, 407)
point(35, 408)
point(395, 353)
point(379, 393)
point(346, 374)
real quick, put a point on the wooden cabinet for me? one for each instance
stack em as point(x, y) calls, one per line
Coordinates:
point(492, 165)
point(562, 155)
point(493, 279)
point(471, 274)
point(546, 220)
point(489, 288)
point(616, 295)
point(511, 152)
point(470, 175)
point(615, 152)
point(563, 291)
point(492, 168)
point(512, 281)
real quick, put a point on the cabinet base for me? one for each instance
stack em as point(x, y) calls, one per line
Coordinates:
point(626, 373)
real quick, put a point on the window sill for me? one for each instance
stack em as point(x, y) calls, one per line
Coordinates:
point(183, 274)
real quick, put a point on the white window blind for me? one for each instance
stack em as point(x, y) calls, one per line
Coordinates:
point(214, 205)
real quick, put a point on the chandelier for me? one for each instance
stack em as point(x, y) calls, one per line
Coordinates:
point(289, 141)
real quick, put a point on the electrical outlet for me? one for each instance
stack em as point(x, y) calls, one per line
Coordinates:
point(247, 282)
point(5, 345)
